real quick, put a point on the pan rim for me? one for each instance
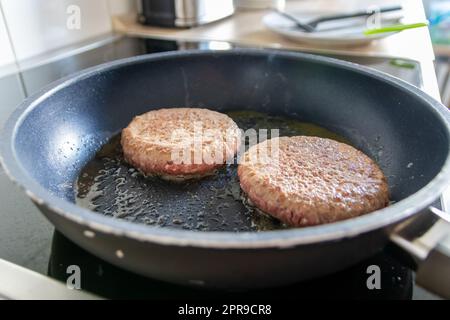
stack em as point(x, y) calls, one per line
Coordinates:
point(215, 239)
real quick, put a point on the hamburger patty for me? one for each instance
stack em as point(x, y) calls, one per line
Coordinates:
point(313, 181)
point(200, 139)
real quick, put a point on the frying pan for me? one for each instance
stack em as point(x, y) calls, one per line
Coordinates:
point(406, 130)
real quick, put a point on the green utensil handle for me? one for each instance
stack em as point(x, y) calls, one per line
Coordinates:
point(393, 28)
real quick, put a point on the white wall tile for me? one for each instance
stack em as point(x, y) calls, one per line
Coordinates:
point(118, 7)
point(6, 54)
point(11, 94)
point(38, 26)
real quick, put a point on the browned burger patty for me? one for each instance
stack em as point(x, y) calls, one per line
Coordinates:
point(151, 139)
point(314, 181)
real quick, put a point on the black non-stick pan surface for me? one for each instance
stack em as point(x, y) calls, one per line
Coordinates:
point(60, 143)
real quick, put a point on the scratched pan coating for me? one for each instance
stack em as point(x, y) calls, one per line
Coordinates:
point(109, 186)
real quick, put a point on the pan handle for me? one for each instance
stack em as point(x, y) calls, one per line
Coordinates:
point(430, 252)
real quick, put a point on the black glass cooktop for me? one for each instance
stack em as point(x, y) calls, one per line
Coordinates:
point(27, 239)
point(102, 278)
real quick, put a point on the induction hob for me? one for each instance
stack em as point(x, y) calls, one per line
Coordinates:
point(27, 239)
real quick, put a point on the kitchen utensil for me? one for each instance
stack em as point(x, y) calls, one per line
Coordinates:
point(260, 4)
point(349, 32)
point(312, 25)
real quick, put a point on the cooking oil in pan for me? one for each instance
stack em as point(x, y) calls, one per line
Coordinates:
point(109, 186)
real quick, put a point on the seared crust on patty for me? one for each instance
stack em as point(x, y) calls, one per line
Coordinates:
point(149, 142)
point(313, 181)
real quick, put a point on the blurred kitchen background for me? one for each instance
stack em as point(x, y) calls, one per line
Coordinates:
point(33, 31)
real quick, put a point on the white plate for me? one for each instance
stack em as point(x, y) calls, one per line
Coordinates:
point(348, 32)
